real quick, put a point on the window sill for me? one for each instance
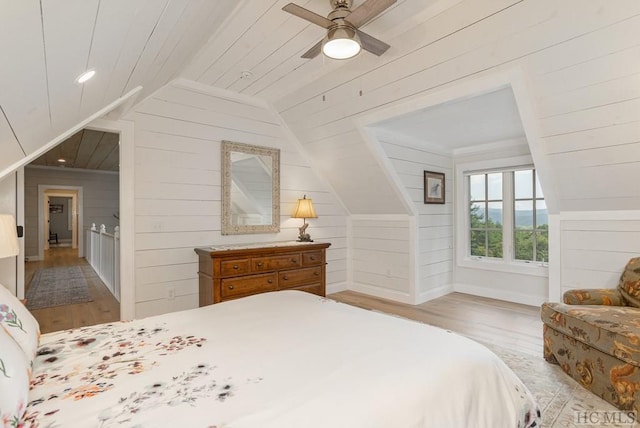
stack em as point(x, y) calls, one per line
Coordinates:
point(521, 268)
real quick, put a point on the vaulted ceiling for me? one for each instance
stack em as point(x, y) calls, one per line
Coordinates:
point(251, 47)
point(47, 44)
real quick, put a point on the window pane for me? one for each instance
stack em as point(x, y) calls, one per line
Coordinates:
point(524, 214)
point(542, 215)
point(495, 243)
point(523, 184)
point(539, 193)
point(476, 214)
point(523, 244)
point(542, 246)
point(476, 187)
point(494, 214)
point(477, 244)
point(494, 186)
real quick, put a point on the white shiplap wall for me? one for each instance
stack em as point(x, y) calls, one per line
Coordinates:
point(594, 247)
point(178, 132)
point(100, 199)
point(434, 222)
point(581, 61)
point(381, 256)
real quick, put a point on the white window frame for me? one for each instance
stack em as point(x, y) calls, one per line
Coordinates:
point(461, 206)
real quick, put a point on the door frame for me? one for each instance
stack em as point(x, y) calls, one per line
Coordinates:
point(76, 194)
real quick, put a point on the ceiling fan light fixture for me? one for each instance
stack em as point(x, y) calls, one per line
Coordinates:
point(341, 42)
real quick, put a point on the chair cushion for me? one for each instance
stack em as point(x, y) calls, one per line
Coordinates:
point(629, 284)
point(19, 323)
point(614, 330)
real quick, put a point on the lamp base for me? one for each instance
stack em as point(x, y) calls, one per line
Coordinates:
point(304, 238)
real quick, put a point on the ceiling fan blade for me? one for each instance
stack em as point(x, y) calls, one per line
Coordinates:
point(371, 44)
point(367, 11)
point(303, 13)
point(314, 51)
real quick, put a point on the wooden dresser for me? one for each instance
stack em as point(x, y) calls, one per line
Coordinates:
point(230, 272)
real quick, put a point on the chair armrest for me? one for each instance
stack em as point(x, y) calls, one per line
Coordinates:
point(594, 296)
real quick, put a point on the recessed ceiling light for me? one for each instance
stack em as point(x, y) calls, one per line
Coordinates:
point(85, 76)
point(61, 160)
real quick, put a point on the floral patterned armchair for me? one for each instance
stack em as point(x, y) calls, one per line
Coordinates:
point(595, 338)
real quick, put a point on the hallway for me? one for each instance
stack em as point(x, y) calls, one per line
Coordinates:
point(103, 308)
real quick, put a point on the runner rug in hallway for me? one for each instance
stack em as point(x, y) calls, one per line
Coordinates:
point(57, 286)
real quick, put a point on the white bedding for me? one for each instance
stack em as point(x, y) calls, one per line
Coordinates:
point(286, 359)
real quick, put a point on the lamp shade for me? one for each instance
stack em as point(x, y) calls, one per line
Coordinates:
point(304, 209)
point(341, 42)
point(9, 246)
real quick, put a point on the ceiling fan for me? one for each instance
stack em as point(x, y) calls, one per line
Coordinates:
point(343, 39)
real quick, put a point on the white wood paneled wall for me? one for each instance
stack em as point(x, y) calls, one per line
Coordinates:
point(381, 256)
point(434, 222)
point(100, 197)
point(594, 247)
point(178, 132)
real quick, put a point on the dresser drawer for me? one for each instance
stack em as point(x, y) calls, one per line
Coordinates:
point(294, 278)
point(250, 284)
point(234, 267)
point(311, 258)
point(285, 261)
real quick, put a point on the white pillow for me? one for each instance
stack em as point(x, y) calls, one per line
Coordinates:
point(14, 381)
point(19, 323)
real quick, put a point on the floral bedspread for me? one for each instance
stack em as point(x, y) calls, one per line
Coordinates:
point(285, 359)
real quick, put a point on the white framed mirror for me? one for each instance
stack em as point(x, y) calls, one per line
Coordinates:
point(250, 189)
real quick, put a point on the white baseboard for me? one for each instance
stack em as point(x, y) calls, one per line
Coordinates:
point(434, 293)
point(383, 293)
point(32, 258)
point(336, 287)
point(509, 296)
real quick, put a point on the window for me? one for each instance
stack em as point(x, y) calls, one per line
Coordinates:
point(531, 224)
point(507, 216)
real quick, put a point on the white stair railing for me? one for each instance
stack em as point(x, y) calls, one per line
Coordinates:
point(104, 256)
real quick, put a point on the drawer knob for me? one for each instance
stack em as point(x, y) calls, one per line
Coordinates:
point(316, 273)
point(235, 266)
point(294, 260)
point(259, 264)
point(285, 277)
point(270, 281)
point(231, 287)
point(312, 258)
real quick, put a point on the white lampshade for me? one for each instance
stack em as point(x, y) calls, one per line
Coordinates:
point(341, 42)
point(9, 246)
point(304, 209)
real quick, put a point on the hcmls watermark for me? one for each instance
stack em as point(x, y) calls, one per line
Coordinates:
point(605, 417)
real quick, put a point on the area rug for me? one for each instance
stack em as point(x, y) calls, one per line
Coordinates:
point(58, 286)
point(560, 398)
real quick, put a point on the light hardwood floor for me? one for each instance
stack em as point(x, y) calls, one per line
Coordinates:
point(490, 321)
point(103, 308)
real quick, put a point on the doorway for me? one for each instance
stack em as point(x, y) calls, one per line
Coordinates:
point(60, 217)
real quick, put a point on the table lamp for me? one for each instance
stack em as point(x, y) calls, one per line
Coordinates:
point(304, 210)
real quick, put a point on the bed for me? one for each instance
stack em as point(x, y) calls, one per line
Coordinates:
point(283, 359)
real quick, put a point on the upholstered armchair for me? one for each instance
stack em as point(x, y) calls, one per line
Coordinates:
point(595, 338)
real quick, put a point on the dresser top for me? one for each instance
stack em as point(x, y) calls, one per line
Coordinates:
point(261, 246)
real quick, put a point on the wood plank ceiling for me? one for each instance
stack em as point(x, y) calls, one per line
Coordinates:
point(249, 47)
point(47, 44)
point(86, 149)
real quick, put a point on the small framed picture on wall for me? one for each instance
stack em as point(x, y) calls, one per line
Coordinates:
point(433, 187)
